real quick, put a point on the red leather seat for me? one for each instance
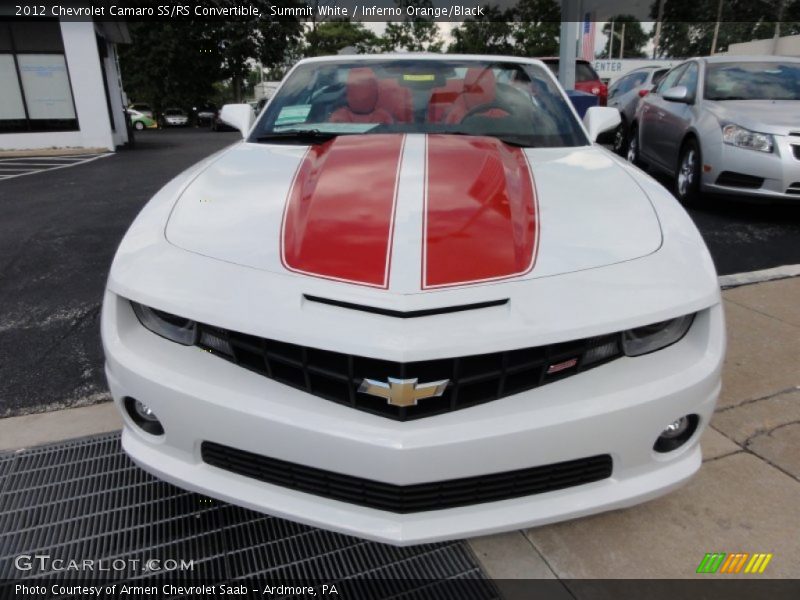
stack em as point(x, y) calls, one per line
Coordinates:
point(396, 100)
point(362, 100)
point(480, 87)
point(442, 99)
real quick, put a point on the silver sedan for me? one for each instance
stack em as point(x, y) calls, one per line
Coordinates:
point(724, 124)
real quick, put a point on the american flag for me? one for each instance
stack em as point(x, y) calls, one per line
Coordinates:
point(587, 38)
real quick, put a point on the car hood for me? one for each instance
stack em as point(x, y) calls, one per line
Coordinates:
point(413, 213)
point(766, 116)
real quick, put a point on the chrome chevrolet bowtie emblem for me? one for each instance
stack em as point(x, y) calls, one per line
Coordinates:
point(403, 392)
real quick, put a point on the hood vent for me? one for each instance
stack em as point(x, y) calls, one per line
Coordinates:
point(411, 314)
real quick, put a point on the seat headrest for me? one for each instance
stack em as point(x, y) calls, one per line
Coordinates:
point(362, 90)
point(479, 86)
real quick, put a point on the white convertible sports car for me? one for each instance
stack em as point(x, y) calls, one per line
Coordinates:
point(415, 303)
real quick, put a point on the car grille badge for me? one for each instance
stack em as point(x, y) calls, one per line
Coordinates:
point(403, 392)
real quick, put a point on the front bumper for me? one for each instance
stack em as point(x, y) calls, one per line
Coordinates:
point(779, 168)
point(618, 408)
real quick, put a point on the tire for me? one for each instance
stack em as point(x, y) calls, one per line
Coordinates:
point(620, 144)
point(138, 126)
point(632, 153)
point(687, 178)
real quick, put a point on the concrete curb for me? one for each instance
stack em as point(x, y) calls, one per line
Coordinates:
point(737, 279)
point(51, 152)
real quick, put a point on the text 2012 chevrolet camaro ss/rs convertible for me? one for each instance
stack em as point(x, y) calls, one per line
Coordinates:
point(415, 303)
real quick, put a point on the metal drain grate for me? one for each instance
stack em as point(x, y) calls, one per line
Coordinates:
point(84, 499)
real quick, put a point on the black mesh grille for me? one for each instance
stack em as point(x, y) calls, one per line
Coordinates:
point(733, 179)
point(473, 379)
point(794, 188)
point(409, 498)
point(796, 150)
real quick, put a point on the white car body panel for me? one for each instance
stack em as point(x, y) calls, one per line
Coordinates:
point(599, 220)
point(616, 252)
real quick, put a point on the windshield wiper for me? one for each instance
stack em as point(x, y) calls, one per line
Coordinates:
point(313, 136)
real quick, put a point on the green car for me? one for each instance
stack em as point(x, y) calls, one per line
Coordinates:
point(140, 121)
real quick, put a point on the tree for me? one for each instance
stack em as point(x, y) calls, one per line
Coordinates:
point(414, 34)
point(266, 40)
point(330, 37)
point(491, 33)
point(537, 28)
point(154, 63)
point(530, 28)
point(635, 37)
point(178, 63)
point(688, 25)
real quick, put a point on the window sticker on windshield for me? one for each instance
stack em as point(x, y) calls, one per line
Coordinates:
point(419, 77)
point(293, 114)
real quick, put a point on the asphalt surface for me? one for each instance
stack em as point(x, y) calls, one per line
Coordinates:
point(60, 229)
point(58, 234)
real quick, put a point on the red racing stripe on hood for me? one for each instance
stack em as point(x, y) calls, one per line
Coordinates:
point(480, 218)
point(339, 215)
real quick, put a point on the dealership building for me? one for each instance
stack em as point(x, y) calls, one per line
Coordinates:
point(60, 85)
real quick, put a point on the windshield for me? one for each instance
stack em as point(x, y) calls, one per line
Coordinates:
point(517, 103)
point(753, 81)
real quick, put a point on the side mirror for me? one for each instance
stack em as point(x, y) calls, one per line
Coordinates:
point(238, 116)
point(679, 93)
point(599, 119)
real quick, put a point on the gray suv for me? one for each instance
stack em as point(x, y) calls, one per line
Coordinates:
point(625, 93)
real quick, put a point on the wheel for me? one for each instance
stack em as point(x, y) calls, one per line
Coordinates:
point(138, 125)
point(687, 181)
point(632, 153)
point(621, 139)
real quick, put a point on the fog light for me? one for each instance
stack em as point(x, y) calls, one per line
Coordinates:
point(676, 428)
point(143, 416)
point(676, 433)
point(144, 411)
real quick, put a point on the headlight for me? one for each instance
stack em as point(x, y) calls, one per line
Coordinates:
point(744, 138)
point(650, 338)
point(177, 329)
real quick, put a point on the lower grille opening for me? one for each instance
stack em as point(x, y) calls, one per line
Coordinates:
point(733, 179)
point(419, 497)
point(794, 188)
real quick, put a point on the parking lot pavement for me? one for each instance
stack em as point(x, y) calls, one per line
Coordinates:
point(745, 497)
point(58, 234)
point(30, 165)
point(745, 235)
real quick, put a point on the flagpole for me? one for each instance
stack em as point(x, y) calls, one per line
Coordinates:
point(611, 41)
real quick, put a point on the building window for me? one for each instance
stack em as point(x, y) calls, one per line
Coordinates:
point(35, 90)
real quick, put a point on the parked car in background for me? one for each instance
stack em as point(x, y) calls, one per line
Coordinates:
point(586, 78)
point(174, 117)
point(140, 121)
point(205, 115)
point(142, 108)
point(625, 93)
point(724, 124)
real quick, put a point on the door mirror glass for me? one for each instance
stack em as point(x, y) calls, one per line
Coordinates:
point(679, 93)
